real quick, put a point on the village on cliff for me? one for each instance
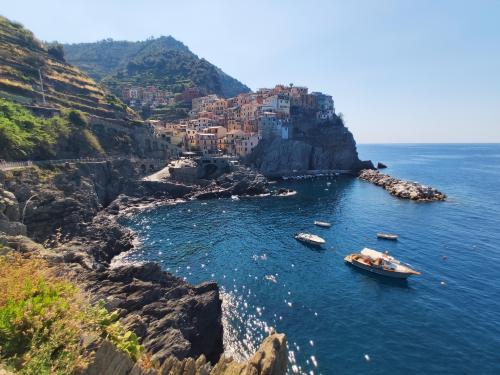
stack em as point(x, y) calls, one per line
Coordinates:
point(233, 126)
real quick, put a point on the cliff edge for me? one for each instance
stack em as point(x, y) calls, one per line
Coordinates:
point(312, 145)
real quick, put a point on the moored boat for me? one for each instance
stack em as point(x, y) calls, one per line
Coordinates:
point(285, 192)
point(380, 263)
point(322, 224)
point(387, 236)
point(310, 239)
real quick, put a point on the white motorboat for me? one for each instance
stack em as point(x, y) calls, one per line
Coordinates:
point(387, 236)
point(322, 224)
point(380, 263)
point(285, 193)
point(310, 239)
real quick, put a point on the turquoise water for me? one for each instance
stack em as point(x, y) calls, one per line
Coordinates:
point(339, 320)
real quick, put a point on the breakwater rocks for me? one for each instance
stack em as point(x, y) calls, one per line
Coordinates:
point(402, 188)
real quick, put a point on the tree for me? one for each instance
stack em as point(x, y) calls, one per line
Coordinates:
point(56, 51)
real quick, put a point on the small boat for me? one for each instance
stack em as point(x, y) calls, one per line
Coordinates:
point(310, 239)
point(235, 198)
point(380, 263)
point(322, 224)
point(285, 193)
point(271, 278)
point(387, 236)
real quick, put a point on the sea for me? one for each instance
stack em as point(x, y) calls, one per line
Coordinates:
point(337, 319)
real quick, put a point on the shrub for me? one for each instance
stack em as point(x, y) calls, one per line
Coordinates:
point(56, 51)
point(23, 135)
point(43, 318)
point(77, 118)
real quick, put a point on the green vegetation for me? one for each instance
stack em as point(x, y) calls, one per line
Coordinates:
point(56, 51)
point(24, 136)
point(172, 112)
point(43, 319)
point(163, 62)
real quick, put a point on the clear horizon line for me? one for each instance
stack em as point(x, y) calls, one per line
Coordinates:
point(428, 143)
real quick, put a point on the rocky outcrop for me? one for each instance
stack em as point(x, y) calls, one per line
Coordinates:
point(172, 317)
point(270, 359)
point(67, 198)
point(10, 214)
point(324, 146)
point(381, 165)
point(401, 188)
point(242, 181)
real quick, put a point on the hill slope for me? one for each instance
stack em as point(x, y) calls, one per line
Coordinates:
point(163, 62)
point(61, 127)
point(23, 59)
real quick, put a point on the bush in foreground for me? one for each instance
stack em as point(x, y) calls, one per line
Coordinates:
point(43, 319)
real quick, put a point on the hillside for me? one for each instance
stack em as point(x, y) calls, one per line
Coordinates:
point(163, 62)
point(23, 58)
point(78, 119)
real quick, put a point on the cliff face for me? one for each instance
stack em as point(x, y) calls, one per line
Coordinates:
point(171, 316)
point(313, 146)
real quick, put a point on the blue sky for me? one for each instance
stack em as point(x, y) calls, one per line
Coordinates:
point(399, 71)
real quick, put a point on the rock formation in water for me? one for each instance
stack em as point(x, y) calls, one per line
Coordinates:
point(401, 188)
point(313, 145)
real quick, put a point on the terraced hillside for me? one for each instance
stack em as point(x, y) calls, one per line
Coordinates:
point(26, 63)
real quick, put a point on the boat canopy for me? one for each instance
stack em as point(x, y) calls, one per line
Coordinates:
point(374, 254)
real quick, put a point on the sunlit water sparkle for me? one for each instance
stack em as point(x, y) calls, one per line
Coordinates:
point(339, 320)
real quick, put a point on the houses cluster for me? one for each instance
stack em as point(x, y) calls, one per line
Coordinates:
point(149, 96)
point(153, 97)
point(236, 125)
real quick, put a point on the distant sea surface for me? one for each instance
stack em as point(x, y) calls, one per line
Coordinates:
point(339, 320)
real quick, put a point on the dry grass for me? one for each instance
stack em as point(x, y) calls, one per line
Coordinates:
point(43, 318)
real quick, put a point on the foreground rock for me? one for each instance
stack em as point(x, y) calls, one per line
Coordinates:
point(10, 214)
point(270, 359)
point(172, 317)
point(402, 188)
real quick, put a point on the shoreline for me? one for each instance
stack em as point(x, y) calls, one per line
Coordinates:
point(83, 248)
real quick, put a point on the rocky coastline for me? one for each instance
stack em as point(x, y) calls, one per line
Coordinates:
point(402, 188)
point(74, 209)
point(314, 146)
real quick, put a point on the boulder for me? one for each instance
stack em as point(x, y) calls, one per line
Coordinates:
point(10, 214)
